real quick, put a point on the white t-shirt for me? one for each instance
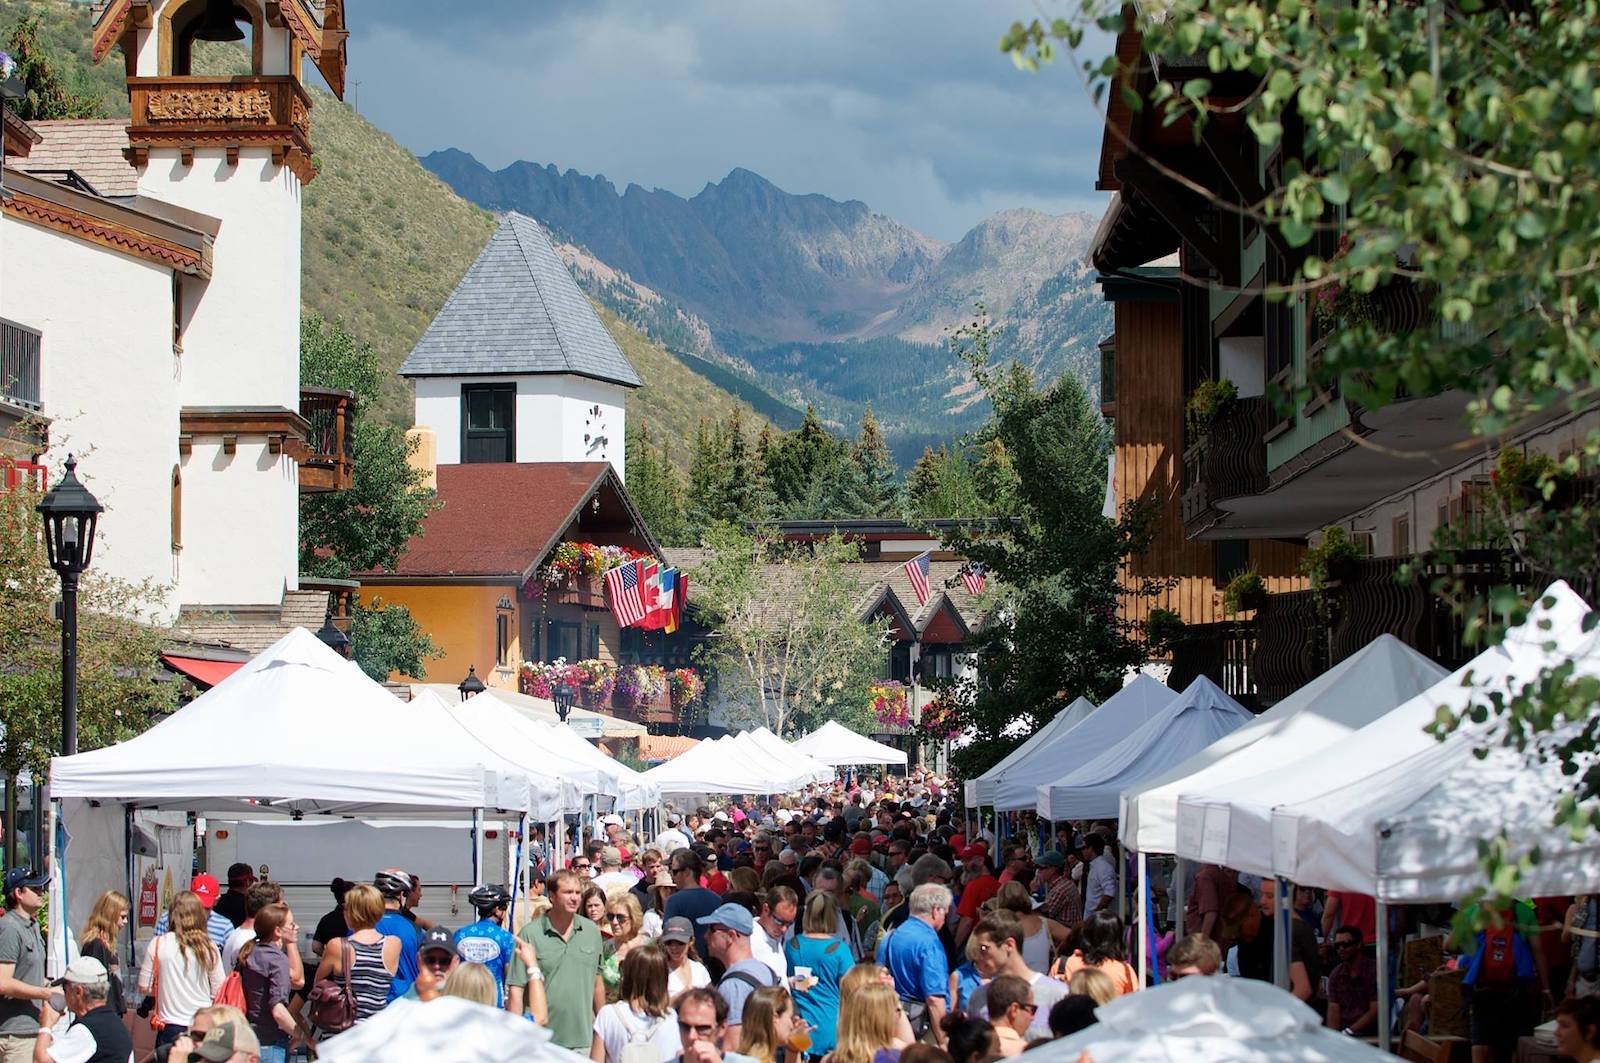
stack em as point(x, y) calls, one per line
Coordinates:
point(73, 1043)
point(1102, 882)
point(615, 880)
point(241, 936)
point(699, 978)
point(768, 950)
point(183, 986)
point(618, 1025)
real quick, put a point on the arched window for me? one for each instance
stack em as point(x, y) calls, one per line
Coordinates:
point(177, 508)
point(192, 17)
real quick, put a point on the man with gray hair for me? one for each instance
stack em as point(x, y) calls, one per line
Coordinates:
point(916, 958)
point(91, 1032)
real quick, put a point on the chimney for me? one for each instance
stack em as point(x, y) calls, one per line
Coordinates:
point(425, 455)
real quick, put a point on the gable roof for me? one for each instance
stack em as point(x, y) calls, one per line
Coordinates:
point(91, 147)
point(516, 311)
point(498, 521)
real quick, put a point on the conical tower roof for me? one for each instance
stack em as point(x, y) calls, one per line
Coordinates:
point(519, 311)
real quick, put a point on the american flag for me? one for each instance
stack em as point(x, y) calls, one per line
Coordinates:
point(972, 576)
point(622, 584)
point(917, 573)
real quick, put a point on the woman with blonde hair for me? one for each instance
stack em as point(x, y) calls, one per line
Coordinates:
point(871, 1021)
point(624, 919)
point(1093, 983)
point(818, 949)
point(99, 941)
point(1042, 936)
point(863, 974)
point(474, 982)
point(642, 1015)
point(769, 1030)
point(373, 956)
point(182, 969)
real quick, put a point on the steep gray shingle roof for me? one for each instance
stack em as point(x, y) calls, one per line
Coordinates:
point(518, 310)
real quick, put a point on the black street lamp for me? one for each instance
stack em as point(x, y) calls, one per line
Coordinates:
point(70, 513)
point(562, 695)
point(333, 638)
point(472, 684)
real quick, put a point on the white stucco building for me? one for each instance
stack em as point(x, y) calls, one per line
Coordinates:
point(152, 269)
point(517, 366)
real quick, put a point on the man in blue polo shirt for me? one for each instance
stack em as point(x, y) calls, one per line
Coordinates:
point(916, 959)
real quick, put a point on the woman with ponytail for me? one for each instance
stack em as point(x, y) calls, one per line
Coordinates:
point(264, 974)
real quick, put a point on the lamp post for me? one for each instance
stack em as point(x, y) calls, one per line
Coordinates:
point(562, 696)
point(472, 684)
point(332, 637)
point(70, 513)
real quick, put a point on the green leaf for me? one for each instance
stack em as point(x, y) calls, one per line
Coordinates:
point(1296, 233)
point(1530, 226)
point(1335, 189)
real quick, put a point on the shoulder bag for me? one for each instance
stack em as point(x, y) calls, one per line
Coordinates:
point(332, 1003)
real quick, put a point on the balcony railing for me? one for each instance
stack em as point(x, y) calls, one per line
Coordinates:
point(1222, 652)
point(330, 461)
point(19, 364)
point(1231, 461)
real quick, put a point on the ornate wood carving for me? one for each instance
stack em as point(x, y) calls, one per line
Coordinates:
point(190, 113)
point(208, 105)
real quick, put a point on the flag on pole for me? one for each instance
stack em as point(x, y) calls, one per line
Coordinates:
point(649, 584)
point(972, 576)
point(622, 585)
point(666, 602)
point(680, 597)
point(917, 573)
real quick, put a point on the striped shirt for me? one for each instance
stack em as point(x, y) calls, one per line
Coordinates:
point(369, 978)
point(217, 928)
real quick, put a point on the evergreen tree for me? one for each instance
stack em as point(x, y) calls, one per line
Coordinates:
point(940, 487)
point(796, 461)
point(707, 476)
point(995, 479)
point(746, 495)
point(874, 467)
point(47, 94)
point(656, 487)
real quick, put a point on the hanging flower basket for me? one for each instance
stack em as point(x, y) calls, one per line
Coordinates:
point(685, 686)
point(887, 700)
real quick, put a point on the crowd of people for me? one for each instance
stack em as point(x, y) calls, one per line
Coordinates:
point(857, 923)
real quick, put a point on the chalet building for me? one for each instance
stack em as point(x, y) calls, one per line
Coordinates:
point(150, 308)
point(520, 416)
point(1263, 479)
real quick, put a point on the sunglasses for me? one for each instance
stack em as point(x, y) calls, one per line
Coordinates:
point(1344, 945)
point(676, 944)
point(1031, 1009)
point(582, 867)
point(698, 1031)
point(436, 961)
point(618, 917)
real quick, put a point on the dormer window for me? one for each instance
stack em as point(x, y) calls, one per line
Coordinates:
point(488, 423)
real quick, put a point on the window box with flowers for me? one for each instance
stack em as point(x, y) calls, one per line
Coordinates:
point(575, 573)
point(887, 701)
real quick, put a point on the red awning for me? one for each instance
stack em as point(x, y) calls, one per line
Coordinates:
point(207, 673)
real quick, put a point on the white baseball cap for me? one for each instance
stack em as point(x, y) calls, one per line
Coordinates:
point(612, 820)
point(84, 970)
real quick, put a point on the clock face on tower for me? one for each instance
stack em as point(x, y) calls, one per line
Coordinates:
point(595, 439)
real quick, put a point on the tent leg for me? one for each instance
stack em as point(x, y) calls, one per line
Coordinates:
point(1177, 898)
point(517, 875)
point(1282, 912)
point(133, 915)
point(58, 835)
point(1144, 919)
point(1122, 885)
point(1384, 1009)
point(477, 847)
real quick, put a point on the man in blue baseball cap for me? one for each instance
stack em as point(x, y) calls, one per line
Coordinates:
point(727, 934)
point(21, 964)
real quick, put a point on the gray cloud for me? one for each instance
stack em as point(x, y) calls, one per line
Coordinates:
point(905, 104)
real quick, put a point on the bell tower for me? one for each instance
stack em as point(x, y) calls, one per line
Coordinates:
point(236, 149)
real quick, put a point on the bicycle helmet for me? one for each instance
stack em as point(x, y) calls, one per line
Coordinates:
point(488, 898)
point(392, 884)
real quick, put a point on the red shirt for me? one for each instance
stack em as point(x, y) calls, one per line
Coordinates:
point(716, 882)
point(1357, 910)
point(975, 893)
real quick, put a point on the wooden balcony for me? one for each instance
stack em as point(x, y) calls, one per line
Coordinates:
point(190, 113)
point(329, 461)
point(1231, 461)
point(1222, 652)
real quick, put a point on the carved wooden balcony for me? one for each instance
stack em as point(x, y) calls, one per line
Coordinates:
point(328, 462)
point(1231, 461)
point(1222, 652)
point(188, 113)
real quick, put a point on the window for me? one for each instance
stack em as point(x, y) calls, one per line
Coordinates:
point(177, 315)
point(594, 642)
point(1233, 557)
point(563, 639)
point(1402, 536)
point(488, 423)
point(502, 639)
point(177, 508)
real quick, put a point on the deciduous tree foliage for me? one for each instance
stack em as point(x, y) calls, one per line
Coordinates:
point(1456, 147)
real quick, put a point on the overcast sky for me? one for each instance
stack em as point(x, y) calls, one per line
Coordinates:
point(907, 105)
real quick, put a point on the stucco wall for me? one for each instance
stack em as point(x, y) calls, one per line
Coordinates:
point(241, 517)
point(110, 384)
point(461, 620)
point(552, 417)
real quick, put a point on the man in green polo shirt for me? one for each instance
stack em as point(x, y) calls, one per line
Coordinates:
point(569, 948)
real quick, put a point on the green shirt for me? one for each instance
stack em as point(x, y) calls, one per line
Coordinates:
point(21, 946)
point(570, 966)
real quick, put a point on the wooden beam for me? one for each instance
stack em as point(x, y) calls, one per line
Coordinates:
point(1162, 196)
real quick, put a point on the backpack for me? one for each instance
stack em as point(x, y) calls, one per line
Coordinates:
point(640, 1047)
point(332, 1004)
point(1498, 963)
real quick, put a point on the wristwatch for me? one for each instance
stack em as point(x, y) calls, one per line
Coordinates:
point(535, 975)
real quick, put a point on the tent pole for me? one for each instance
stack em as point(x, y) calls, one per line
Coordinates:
point(1144, 919)
point(1122, 884)
point(61, 926)
point(1384, 1034)
point(1281, 905)
point(477, 847)
point(133, 915)
point(1178, 898)
point(518, 877)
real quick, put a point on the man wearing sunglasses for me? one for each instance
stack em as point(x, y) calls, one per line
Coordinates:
point(1352, 985)
point(1011, 1012)
point(778, 912)
point(22, 988)
point(436, 958)
point(702, 1022)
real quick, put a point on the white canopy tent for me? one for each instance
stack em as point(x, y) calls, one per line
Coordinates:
point(1232, 824)
point(980, 791)
point(1407, 830)
point(1239, 1020)
point(721, 766)
point(793, 772)
point(1198, 717)
point(1123, 713)
point(835, 744)
point(1349, 695)
point(551, 748)
point(449, 1028)
point(543, 710)
point(787, 754)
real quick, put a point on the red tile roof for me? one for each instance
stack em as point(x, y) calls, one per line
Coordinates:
point(498, 520)
point(653, 748)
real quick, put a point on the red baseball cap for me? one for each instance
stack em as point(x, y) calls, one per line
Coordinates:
point(207, 888)
point(972, 852)
point(861, 847)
